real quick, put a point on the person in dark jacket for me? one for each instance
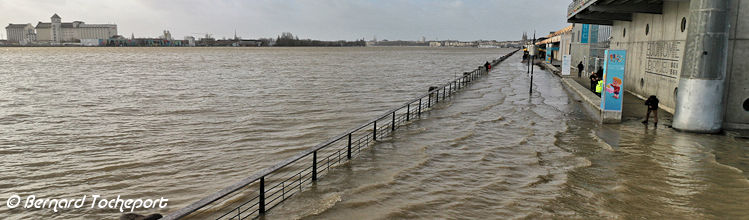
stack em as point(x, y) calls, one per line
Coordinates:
point(580, 68)
point(652, 104)
point(487, 66)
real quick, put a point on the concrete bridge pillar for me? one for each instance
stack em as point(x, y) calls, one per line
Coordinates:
point(700, 105)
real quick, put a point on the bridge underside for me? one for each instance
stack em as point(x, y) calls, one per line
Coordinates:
point(605, 12)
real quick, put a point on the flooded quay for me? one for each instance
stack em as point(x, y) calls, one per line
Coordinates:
point(184, 123)
point(496, 152)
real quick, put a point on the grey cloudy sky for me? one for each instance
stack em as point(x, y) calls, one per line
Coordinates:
point(317, 19)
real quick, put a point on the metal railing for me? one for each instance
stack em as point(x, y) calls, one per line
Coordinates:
point(261, 192)
point(578, 5)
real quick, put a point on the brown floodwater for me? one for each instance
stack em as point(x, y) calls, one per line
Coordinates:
point(496, 152)
point(182, 123)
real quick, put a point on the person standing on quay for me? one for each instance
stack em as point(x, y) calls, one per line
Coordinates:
point(652, 104)
point(580, 68)
point(593, 81)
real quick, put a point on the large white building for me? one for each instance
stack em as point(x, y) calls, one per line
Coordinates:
point(20, 33)
point(58, 32)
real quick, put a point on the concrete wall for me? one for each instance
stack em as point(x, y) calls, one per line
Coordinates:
point(655, 50)
point(581, 52)
point(655, 59)
point(565, 44)
point(590, 53)
point(738, 67)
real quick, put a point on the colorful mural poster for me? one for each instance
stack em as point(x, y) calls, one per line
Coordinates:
point(613, 87)
point(550, 52)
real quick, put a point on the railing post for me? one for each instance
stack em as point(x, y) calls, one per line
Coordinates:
point(348, 154)
point(429, 101)
point(393, 124)
point(443, 92)
point(374, 132)
point(419, 107)
point(437, 96)
point(261, 197)
point(408, 112)
point(314, 166)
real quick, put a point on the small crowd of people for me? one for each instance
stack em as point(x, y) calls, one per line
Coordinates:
point(596, 79)
point(596, 85)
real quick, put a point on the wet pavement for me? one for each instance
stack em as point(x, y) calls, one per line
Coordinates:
point(496, 152)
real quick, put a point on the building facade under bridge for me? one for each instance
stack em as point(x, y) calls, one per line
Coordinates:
point(689, 53)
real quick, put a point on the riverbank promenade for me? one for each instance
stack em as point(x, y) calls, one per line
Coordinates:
point(494, 150)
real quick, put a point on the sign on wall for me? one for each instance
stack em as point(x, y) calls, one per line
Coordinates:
point(613, 84)
point(585, 34)
point(566, 65)
point(593, 34)
point(663, 58)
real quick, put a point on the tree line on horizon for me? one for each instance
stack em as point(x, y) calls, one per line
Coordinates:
point(287, 39)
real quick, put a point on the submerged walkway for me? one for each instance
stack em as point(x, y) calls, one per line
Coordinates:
point(496, 152)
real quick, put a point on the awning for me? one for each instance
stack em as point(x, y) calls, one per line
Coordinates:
point(605, 12)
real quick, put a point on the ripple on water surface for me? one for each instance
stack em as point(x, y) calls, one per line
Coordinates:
point(186, 122)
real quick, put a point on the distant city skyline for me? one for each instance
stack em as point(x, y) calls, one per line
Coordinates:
point(464, 20)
